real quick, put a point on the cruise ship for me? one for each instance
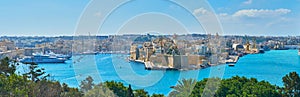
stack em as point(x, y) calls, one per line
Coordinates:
point(41, 58)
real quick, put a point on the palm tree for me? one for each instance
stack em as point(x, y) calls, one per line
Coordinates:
point(183, 89)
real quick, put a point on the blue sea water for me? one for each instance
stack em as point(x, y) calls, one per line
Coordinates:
point(270, 66)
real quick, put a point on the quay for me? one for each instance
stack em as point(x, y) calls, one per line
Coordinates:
point(138, 61)
point(151, 66)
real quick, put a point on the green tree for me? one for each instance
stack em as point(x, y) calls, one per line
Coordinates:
point(100, 90)
point(291, 85)
point(31, 84)
point(140, 93)
point(70, 92)
point(122, 91)
point(184, 88)
point(36, 74)
point(157, 95)
point(6, 67)
point(207, 86)
point(117, 87)
point(12, 86)
point(45, 88)
point(211, 87)
point(235, 87)
point(87, 84)
point(129, 92)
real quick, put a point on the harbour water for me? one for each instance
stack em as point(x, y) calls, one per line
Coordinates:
point(270, 66)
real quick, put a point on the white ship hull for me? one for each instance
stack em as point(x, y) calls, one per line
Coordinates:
point(42, 59)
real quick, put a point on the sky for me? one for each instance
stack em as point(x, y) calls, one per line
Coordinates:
point(70, 17)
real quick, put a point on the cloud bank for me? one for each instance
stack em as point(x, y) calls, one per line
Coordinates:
point(261, 12)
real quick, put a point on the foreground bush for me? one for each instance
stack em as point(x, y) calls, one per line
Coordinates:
point(238, 87)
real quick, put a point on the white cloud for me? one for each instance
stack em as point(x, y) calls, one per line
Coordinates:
point(98, 14)
point(248, 21)
point(248, 2)
point(201, 11)
point(261, 12)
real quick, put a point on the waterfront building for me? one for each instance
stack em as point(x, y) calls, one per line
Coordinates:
point(202, 49)
point(134, 52)
point(6, 45)
point(163, 53)
point(247, 46)
point(177, 61)
point(238, 47)
point(148, 49)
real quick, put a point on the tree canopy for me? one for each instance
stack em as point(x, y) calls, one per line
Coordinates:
point(31, 84)
point(291, 85)
point(35, 84)
point(232, 87)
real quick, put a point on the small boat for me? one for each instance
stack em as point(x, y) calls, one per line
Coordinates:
point(89, 53)
point(261, 51)
point(231, 65)
point(230, 61)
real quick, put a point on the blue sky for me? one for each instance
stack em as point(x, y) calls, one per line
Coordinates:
point(60, 17)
